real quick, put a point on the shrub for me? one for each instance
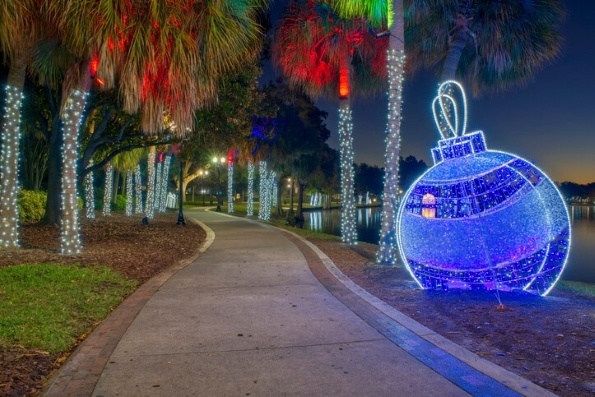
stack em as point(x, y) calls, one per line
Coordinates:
point(120, 204)
point(31, 205)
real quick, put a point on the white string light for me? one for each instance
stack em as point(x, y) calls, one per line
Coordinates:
point(482, 219)
point(164, 183)
point(250, 204)
point(230, 187)
point(387, 247)
point(129, 195)
point(107, 190)
point(89, 194)
point(71, 120)
point(275, 191)
point(158, 184)
point(264, 209)
point(149, 204)
point(138, 190)
point(348, 212)
point(9, 171)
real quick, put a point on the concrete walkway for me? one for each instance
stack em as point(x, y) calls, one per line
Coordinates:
point(259, 313)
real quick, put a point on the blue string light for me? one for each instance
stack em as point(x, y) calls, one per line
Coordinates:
point(481, 219)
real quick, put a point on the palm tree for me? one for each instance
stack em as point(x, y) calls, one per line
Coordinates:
point(325, 55)
point(19, 30)
point(381, 14)
point(491, 45)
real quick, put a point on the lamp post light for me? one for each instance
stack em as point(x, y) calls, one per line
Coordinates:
point(218, 162)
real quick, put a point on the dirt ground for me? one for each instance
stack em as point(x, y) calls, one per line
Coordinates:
point(547, 340)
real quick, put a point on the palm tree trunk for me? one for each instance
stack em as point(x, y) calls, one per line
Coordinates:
point(72, 117)
point(250, 203)
point(89, 194)
point(455, 50)
point(138, 190)
point(107, 190)
point(387, 247)
point(348, 214)
point(149, 203)
point(9, 190)
point(129, 195)
point(164, 183)
point(230, 197)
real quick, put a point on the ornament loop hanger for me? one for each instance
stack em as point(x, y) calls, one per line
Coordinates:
point(446, 111)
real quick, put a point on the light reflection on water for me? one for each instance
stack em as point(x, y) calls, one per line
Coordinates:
point(581, 263)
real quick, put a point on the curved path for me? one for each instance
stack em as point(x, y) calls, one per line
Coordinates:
point(261, 312)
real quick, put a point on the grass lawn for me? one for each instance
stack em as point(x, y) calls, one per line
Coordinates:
point(49, 306)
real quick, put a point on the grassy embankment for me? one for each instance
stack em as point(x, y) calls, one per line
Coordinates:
point(48, 307)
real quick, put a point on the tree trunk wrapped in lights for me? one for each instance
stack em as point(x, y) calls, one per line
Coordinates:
point(250, 203)
point(149, 204)
point(164, 183)
point(89, 194)
point(264, 209)
point(387, 247)
point(348, 213)
point(158, 184)
point(129, 193)
point(107, 190)
point(138, 190)
point(72, 116)
point(230, 197)
point(9, 190)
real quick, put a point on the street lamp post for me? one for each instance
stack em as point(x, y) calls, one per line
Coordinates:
point(218, 163)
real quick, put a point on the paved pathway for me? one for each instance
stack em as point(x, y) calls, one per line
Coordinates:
point(249, 317)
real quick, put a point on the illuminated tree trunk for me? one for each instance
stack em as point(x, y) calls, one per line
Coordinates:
point(264, 210)
point(9, 190)
point(348, 214)
point(149, 204)
point(138, 191)
point(89, 194)
point(250, 200)
point(72, 116)
point(230, 197)
point(387, 247)
point(158, 182)
point(107, 190)
point(129, 195)
point(164, 184)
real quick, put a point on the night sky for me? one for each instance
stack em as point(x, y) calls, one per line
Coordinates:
point(550, 122)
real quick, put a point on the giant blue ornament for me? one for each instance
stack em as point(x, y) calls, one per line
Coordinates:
point(481, 219)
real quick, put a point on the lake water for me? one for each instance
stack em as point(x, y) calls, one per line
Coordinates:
point(581, 262)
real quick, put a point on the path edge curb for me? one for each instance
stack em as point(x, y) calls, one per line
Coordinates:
point(508, 378)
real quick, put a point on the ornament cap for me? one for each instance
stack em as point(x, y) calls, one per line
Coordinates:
point(459, 146)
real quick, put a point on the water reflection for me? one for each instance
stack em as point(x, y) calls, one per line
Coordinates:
point(581, 262)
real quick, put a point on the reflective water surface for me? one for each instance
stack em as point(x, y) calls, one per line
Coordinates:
point(581, 262)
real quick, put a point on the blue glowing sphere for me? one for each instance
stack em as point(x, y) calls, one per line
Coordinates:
point(482, 219)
